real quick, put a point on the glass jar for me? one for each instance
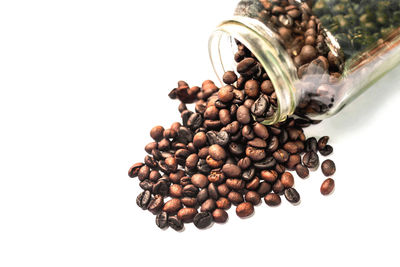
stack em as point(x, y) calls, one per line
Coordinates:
point(319, 55)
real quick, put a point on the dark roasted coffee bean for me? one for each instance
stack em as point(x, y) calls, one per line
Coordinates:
point(220, 215)
point(214, 163)
point(143, 199)
point(260, 106)
point(244, 163)
point(156, 204)
point(203, 167)
point(267, 87)
point(176, 177)
point(328, 167)
point(191, 161)
point(202, 220)
point(223, 203)
point(154, 176)
point(273, 144)
point(236, 149)
point(211, 113)
point(171, 163)
point(170, 134)
point(244, 209)
point(322, 142)
point(272, 199)
point(291, 147)
point(302, 171)
point(175, 223)
point(235, 184)
point(161, 188)
point(208, 205)
point(292, 195)
point(311, 145)
point(203, 153)
point(279, 168)
point(327, 186)
point(311, 160)
point(162, 220)
point(253, 197)
point(253, 184)
point(146, 185)
point(267, 163)
point(217, 152)
point(248, 174)
point(225, 116)
point(157, 155)
point(233, 127)
point(186, 215)
point(258, 143)
point(326, 151)
point(235, 198)
point(293, 161)
point(216, 176)
point(247, 66)
point(229, 77)
point(222, 138)
point(185, 115)
point(251, 88)
point(185, 135)
point(281, 156)
point(182, 153)
point(211, 137)
point(172, 206)
point(247, 132)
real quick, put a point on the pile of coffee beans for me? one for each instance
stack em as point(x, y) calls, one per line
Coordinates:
point(220, 155)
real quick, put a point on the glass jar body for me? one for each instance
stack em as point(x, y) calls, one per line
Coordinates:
point(319, 55)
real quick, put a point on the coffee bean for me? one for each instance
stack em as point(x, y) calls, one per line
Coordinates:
point(223, 203)
point(278, 187)
point(134, 169)
point(328, 167)
point(235, 184)
point(311, 160)
point(260, 106)
point(244, 163)
point(191, 161)
point(287, 180)
point(251, 88)
point(281, 156)
point(236, 149)
point(171, 164)
point(255, 154)
point(202, 220)
point(291, 147)
point(229, 77)
point(222, 138)
point(247, 132)
point(156, 204)
point(267, 87)
point(326, 151)
point(200, 140)
point(208, 205)
point(143, 173)
point(162, 220)
point(322, 142)
point(146, 185)
point(186, 215)
point(267, 163)
point(211, 113)
point(202, 195)
point(244, 209)
point(143, 199)
point(253, 184)
point(243, 115)
point(272, 199)
point(253, 197)
point(247, 66)
point(161, 188)
point(175, 223)
point(220, 216)
point(231, 170)
point(199, 180)
point(187, 191)
point(213, 191)
point(203, 153)
point(293, 161)
point(223, 190)
point(311, 144)
point(217, 152)
point(157, 133)
point(172, 206)
point(269, 176)
point(261, 131)
point(248, 174)
point(302, 171)
point(292, 195)
point(154, 176)
point(327, 186)
point(235, 198)
point(273, 144)
point(308, 53)
point(225, 94)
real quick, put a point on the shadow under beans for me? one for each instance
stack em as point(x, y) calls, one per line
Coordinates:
point(359, 112)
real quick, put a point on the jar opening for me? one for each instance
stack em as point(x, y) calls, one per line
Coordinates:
point(262, 42)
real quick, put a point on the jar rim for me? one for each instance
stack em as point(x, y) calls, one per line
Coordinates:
point(262, 42)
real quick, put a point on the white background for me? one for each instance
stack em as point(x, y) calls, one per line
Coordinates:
point(82, 83)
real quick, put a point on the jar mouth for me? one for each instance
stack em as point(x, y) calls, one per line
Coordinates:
point(262, 42)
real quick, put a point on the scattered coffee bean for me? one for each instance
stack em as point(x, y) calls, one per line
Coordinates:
point(327, 186)
point(202, 220)
point(162, 220)
point(292, 195)
point(244, 209)
point(328, 167)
